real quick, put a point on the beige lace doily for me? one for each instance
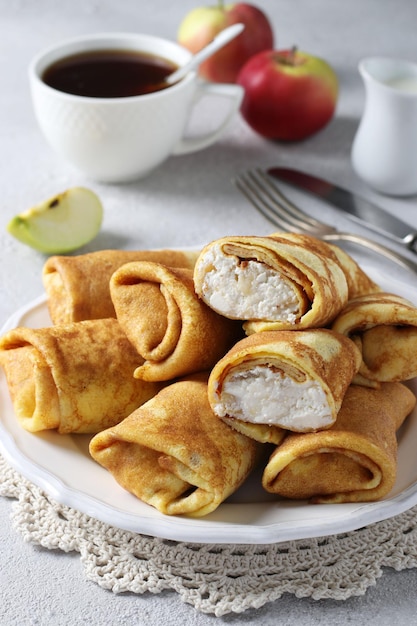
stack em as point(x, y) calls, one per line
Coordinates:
point(214, 578)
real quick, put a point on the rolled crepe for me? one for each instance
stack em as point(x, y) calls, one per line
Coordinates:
point(284, 281)
point(78, 286)
point(174, 454)
point(384, 327)
point(171, 328)
point(76, 378)
point(275, 380)
point(359, 283)
point(354, 461)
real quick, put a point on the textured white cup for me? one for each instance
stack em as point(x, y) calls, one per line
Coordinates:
point(123, 139)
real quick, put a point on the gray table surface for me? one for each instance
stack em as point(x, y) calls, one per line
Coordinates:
point(187, 201)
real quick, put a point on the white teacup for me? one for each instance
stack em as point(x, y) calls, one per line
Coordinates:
point(124, 138)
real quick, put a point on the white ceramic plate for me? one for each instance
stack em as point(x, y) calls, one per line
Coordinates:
point(62, 467)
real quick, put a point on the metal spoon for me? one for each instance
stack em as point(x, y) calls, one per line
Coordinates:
point(215, 44)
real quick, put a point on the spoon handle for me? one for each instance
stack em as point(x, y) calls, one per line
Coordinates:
point(215, 44)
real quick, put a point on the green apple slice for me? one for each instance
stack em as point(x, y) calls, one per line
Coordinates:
point(61, 224)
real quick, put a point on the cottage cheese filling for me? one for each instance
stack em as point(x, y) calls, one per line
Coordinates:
point(263, 396)
point(247, 291)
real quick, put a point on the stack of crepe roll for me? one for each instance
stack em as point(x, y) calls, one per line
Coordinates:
point(187, 367)
point(127, 359)
point(330, 407)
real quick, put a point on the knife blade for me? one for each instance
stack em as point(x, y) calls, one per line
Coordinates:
point(357, 208)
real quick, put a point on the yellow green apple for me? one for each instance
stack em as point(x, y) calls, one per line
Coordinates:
point(202, 24)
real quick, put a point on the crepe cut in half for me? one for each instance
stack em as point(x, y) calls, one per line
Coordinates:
point(174, 454)
point(174, 331)
point(384, 327)
point(355, 460)
point(276, 380)
point(76, 378)
point(78, 286)
point(284, 281)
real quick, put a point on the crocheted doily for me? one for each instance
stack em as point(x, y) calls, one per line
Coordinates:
point(214, 578)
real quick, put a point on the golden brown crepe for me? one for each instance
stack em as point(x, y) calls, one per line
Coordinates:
point(384, 327)
point(359, 283)
point(174, 454)
point(354, 461)
point(171, 328)
point(275, 380)
point(78, 286)
point(284, 281)
point(76, 378)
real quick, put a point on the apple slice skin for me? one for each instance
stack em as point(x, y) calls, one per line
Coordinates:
point(60, 224)
point(289, 94)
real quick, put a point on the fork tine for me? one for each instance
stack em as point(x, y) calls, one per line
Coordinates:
point(279, 199)
point(245, 184)
point(258, 187)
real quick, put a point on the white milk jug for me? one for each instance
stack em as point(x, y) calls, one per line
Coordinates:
point(384, 150)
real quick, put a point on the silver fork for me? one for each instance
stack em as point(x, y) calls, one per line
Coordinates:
point(269, 200)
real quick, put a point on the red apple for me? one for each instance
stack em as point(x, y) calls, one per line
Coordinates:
point(289, 94)
point(202, 24)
